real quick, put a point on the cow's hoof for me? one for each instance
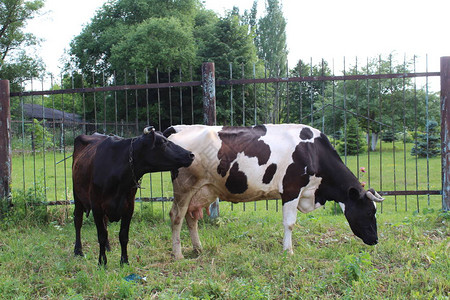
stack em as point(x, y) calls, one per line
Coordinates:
point(78, 252)
point(289, 251)
point(198, 251)
point(178, 256)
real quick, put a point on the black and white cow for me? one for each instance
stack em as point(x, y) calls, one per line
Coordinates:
point(293, 162)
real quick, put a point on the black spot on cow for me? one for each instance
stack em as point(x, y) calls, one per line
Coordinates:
point(270, 172)
point(241, 140)
point(297, 173)
point(237, 181)
point(306, 134)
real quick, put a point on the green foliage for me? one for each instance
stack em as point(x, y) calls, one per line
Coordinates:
point(428, 143)
point(27, 207)
point(354, 140)
point(356, 267)
point(148, 34)
point(271, 39)
point(42, 138)
point(162, 43)
point(15, 63)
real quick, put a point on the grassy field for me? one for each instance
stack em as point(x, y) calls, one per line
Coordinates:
point(242, 258)
point(40, 176)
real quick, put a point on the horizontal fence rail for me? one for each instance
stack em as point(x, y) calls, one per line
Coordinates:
point(317, 99)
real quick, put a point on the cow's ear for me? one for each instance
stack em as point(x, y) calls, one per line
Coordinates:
point(353, 194)
point(151, 135)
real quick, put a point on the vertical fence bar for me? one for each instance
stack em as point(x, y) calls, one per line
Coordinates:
point(209, 110)
point(192, 97)
point(136, 98)
point(104, 103)
point(369, 136)
point(54, 139)
point(311, 88)
point(243, 99)
point(428, 132)
point(380, 103)
point(391, 88)
point(345, 117)
point(170, 101)
point(416, 156)
point(5, 145)
point(44, 138)
point(404, 132)
point(445, 131)
point(231, 99)
point(181, 99)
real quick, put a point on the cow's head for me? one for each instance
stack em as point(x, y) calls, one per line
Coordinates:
point(360, 211)
point(163, 155)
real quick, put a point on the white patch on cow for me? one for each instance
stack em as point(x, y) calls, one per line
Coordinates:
point(289, 218)
point(307, 201)
point(342, 205)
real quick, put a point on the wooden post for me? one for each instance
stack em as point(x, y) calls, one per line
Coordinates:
point(445, 131)
point(209, 111)
point(5, 145)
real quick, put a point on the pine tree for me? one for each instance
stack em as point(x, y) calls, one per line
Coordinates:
point(355, 144)
point(427, 143)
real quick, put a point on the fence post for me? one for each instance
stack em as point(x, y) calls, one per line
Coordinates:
point(5, 145)
point(445, 131)
point(209, 111)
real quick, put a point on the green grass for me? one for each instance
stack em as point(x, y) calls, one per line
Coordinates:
point(242, 258)
point(42, 172)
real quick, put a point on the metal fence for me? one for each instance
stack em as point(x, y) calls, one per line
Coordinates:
point(388, 107)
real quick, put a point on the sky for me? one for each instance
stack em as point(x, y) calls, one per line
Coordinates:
point(328, 29)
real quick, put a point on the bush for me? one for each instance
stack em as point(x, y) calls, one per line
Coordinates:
point(404, 136)
point(27, 205)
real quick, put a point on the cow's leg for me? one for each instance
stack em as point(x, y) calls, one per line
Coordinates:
point(192, 224)
point(123, 235)
point(177, 214)
point(78, 221)
point(105, 221)
point(102, 235)
point(289, 218)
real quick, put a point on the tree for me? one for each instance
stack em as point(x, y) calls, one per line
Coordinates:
point(227, 41)
point(133, 38)
point(391, 105)
point(271, 39)
point(122, 32)
point(427, 143)
point(353, 144)
point(15, 63)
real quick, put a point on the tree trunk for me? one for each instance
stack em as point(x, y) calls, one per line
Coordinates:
point(372, 141)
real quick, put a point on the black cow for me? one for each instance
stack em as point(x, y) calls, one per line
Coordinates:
point(293, 162)
point(106, 171)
